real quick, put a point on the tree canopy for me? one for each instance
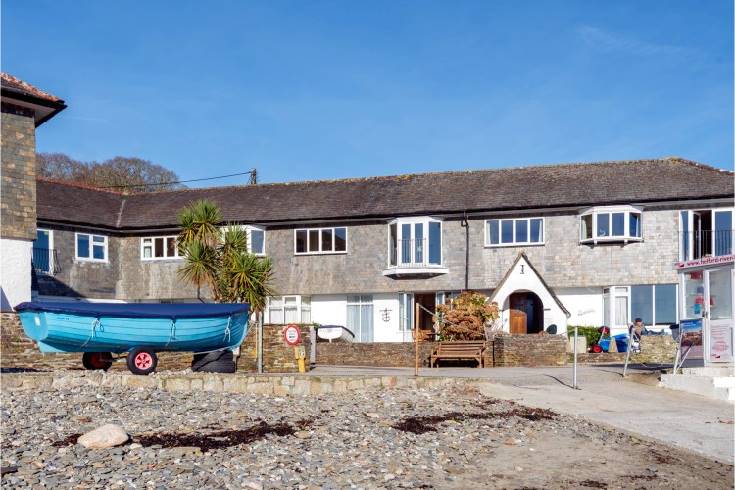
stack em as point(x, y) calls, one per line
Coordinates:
point(135, 174)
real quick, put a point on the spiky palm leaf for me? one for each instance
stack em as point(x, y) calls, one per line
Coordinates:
point(200, 267)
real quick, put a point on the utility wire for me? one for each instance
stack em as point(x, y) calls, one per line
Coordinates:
point(253, 180)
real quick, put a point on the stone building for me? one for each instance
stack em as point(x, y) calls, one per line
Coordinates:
point(587, 244)
point(24, 108)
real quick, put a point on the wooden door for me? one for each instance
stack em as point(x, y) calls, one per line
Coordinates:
point(518, 316)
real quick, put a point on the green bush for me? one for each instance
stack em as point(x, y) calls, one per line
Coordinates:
point(592, 334)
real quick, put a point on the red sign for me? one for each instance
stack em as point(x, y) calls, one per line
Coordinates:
point(292, 334)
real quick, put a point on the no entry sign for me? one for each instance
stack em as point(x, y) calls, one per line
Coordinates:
point(292, 334)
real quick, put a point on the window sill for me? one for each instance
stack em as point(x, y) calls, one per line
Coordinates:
point(616, 239)
point(300, 254)
point(162, 259)
point(516, 245)
point(93, 261)
point(415, 270)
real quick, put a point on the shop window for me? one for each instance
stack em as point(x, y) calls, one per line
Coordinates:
point(654, 304)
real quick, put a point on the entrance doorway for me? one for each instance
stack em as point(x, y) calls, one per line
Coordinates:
point(428, 302)
point(526, 313)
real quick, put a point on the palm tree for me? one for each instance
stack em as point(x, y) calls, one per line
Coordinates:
point(219, 258)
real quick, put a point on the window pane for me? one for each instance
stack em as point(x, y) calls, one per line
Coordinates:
point(158, 249)
point(340, 239)
point(257, 241)
point(393, 244)
point(275, 302)
point(537, 230)
point(521, 231)
point(327, 240)
point(313, 240)
point(435, 243)
point(300, 241)
point(83, 246)
point(635, 225)
point(276, 315)
point(98, 252)
point(171, 246)
point(147, 251)
point(406, 243)
point(694, 294)
point(603, 224)
point(506, 226)
point(418, 235)
point(665, 303)
point(289, 300)
point(621, 311)
point(684, 235)
point(291, 314)
point(493, 231)
point(723, 232)
point(641, 303)
point(606, 310)
point(720, 294)
point(586, 226)
point(618, 224)
point(98, 239)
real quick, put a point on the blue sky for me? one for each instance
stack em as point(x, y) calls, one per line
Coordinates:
point(306, 90)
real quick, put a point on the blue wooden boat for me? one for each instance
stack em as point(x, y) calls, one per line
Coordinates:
point(134, 328)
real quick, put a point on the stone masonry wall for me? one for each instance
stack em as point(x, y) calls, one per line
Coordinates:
point(530, 350)
point(378, 354)
point(18, 190)
point(277, 356)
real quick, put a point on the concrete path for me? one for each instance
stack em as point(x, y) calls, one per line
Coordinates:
point(681, 419)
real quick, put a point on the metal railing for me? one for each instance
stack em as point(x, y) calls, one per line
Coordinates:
point(412, 254)
point(44, 261)
point(703, 243)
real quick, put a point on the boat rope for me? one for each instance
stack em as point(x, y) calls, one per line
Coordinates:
point(172, 336)
point(95, 323)
point(227, 330)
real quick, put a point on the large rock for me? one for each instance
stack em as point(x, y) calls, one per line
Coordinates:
point(109, 435)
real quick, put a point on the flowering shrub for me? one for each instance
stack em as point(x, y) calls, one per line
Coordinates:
point(466, 317)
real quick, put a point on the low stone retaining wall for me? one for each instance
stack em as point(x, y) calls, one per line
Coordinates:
point(655, 349)
point(229, 383)
point(379, 354)
point(529, 350)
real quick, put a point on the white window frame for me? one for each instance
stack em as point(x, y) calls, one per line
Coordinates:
point(515, 243)
point(610, 210)
point(690, 227)
point(51, 263)
point(613, 292)
point(249, 230)
point(152, 258)
point(320, 251)
point(653, 324)
point(425, 221)
point(91, 258)
point(300, 307)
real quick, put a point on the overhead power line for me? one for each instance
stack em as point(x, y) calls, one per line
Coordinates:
point(253, 180)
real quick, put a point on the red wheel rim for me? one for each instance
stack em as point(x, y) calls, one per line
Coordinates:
point(143, 360)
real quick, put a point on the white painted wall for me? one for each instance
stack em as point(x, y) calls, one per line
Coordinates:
point(386, 331)
point(584, 304)
point(523, 278)
point(15, 272)
point(332, 310)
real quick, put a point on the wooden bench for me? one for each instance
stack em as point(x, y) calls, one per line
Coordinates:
point(471, 349)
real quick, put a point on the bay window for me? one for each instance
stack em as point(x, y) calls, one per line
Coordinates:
point(415, 242)
point(611, 224)
point(513, 232)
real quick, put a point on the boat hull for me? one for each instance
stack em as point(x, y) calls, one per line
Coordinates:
point(64, 332)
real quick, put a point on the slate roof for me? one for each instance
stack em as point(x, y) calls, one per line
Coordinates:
point(548, 186)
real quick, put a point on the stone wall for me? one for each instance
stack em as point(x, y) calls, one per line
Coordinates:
point(382, 354)
point(277, 356)
point(529, 350)
point(12, 337)
point(18, 190)
point(655, 349)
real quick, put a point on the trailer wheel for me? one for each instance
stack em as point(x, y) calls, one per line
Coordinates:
point(97, 360)
point(142, 361)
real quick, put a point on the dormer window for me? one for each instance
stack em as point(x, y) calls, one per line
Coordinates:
point(611, 224)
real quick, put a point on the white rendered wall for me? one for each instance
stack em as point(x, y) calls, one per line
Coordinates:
point(584, 305)
point(15, 272)
point(332, 310)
